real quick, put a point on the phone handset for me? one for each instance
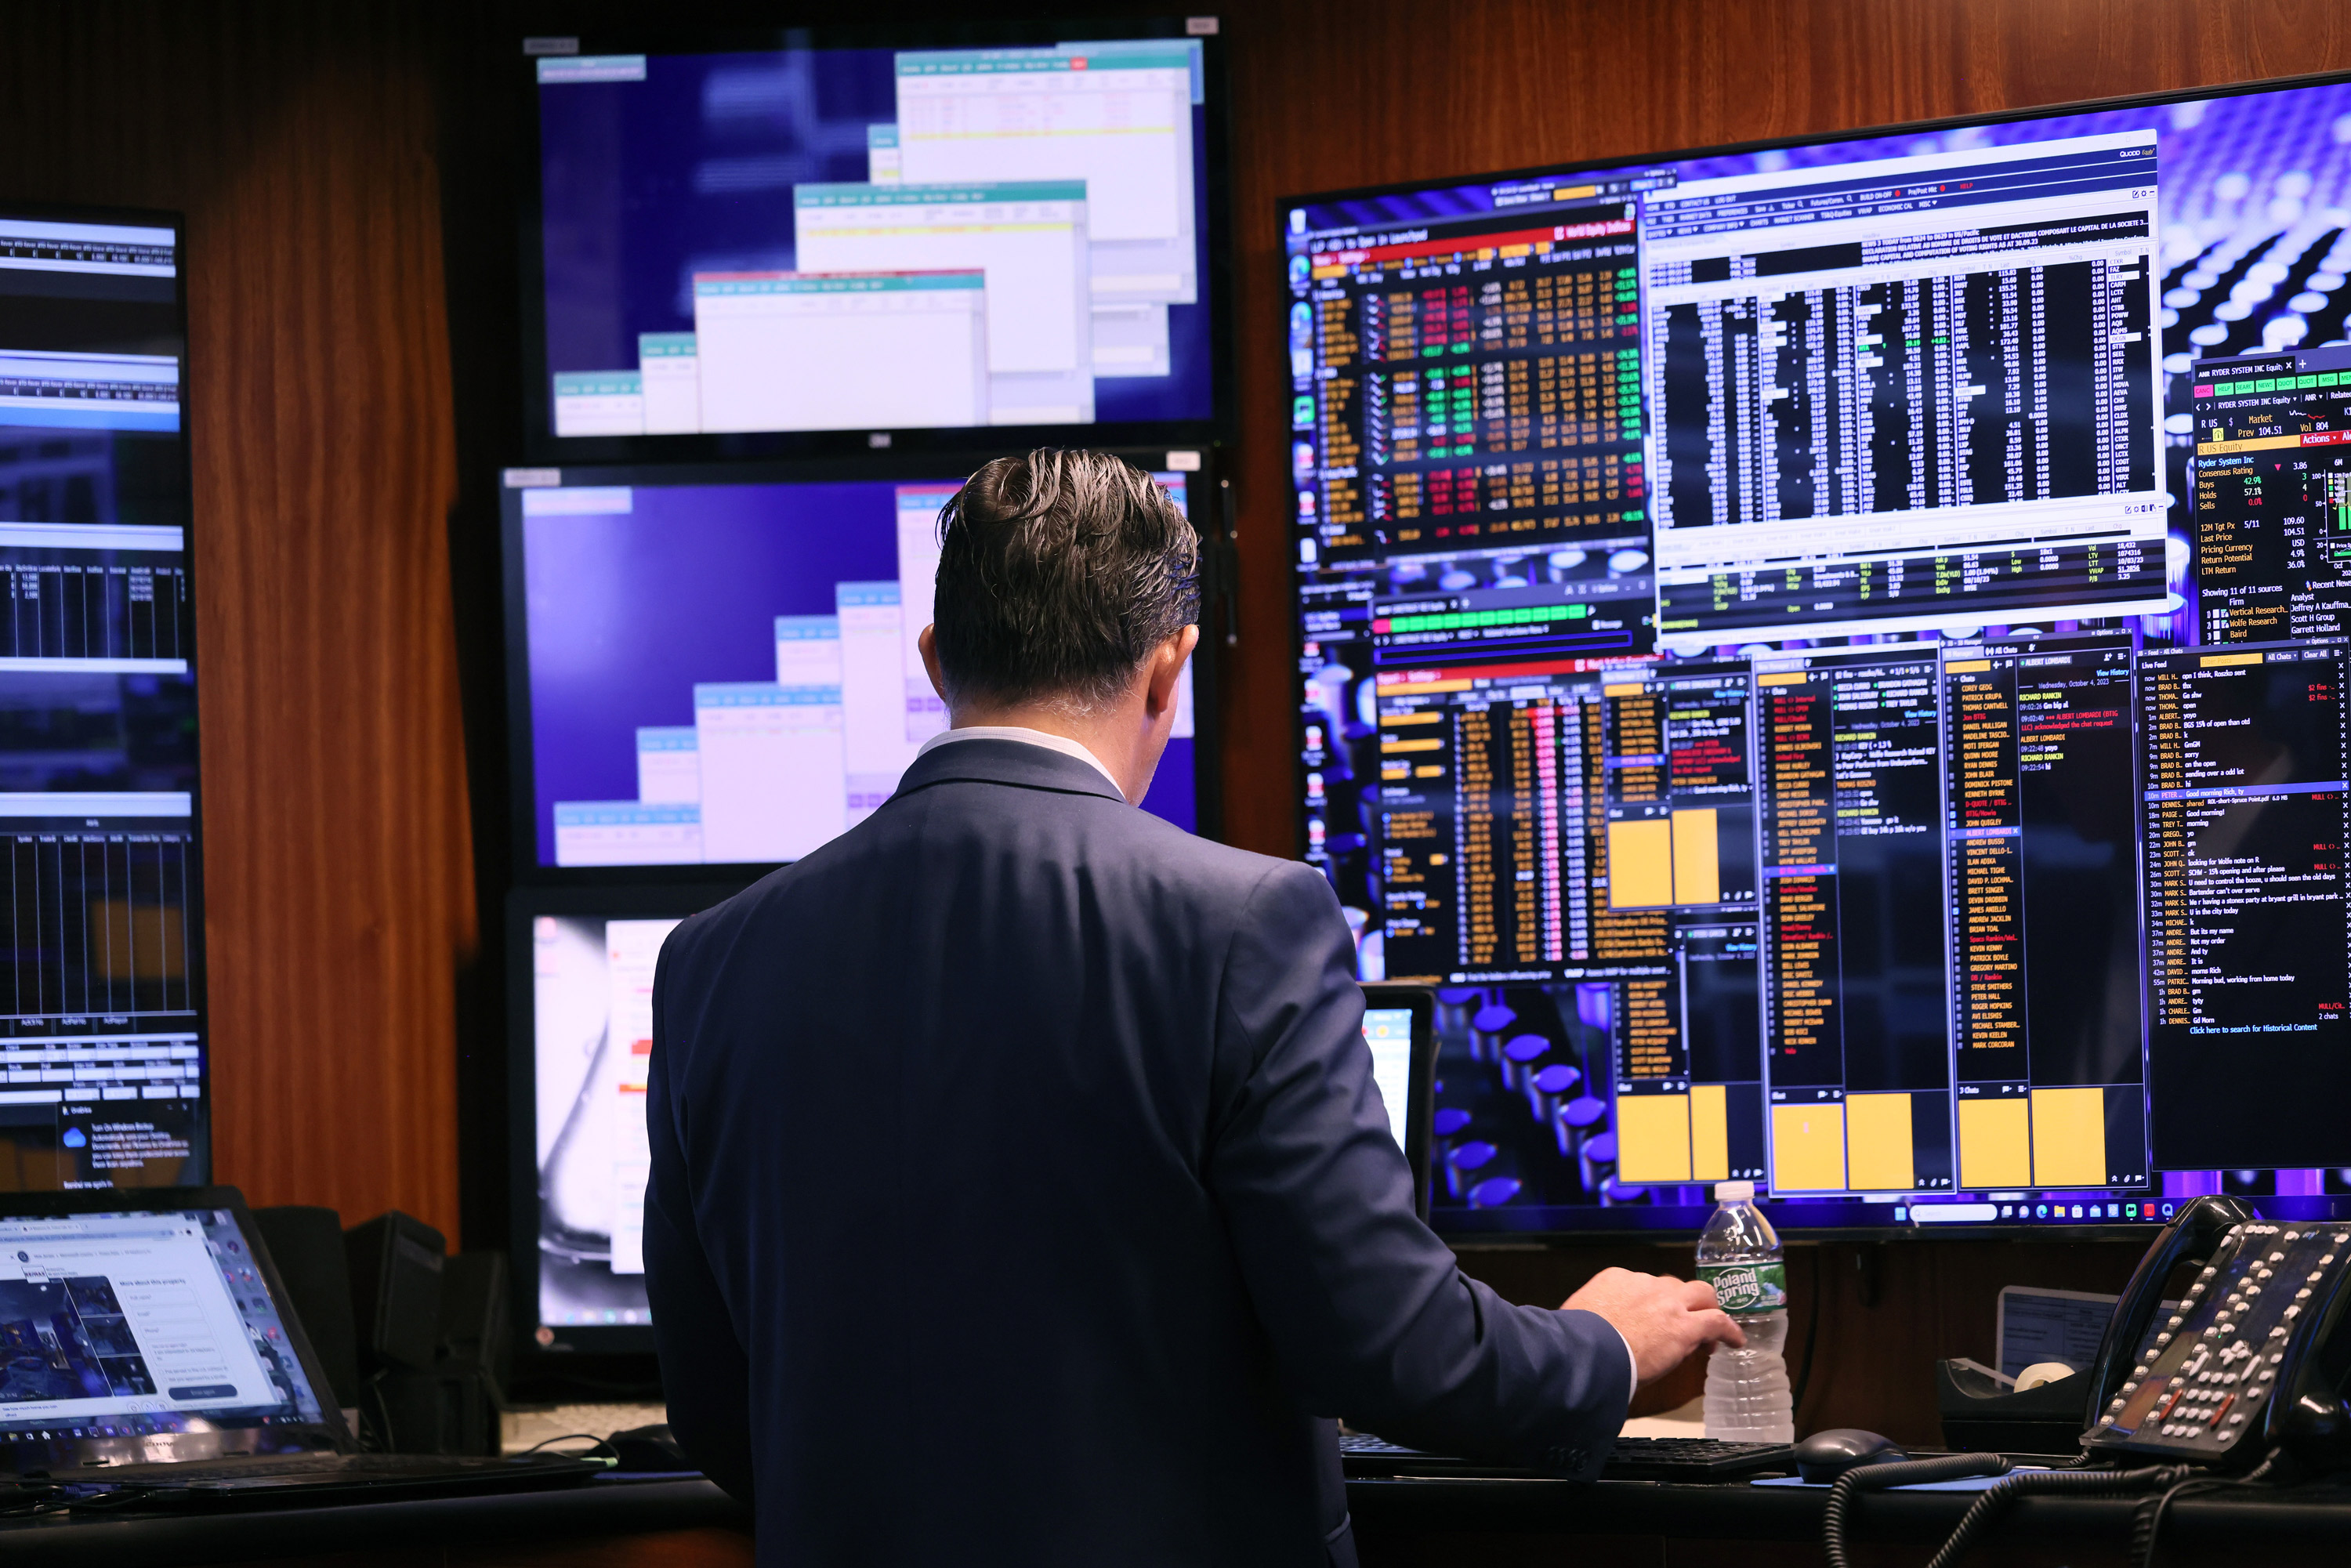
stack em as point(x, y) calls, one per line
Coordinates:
point(2246, 1361)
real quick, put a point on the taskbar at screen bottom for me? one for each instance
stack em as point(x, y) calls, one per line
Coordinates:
point(561, 1340)
point(1942, 1215)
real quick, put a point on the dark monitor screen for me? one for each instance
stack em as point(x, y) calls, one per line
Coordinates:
point(759, 241)
point(1747, 603)
point(718, 666)
point(103, 1029)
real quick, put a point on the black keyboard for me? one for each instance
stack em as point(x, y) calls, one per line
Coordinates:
point(1695, 1459)
point(1629, 1459)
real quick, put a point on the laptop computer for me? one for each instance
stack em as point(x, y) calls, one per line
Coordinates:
point(147, 1351)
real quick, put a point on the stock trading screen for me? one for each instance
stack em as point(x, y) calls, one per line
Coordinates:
point(1746, 605)
point(1893, 390)
point(2245, 768)
point(2273, 495)
point(1866, 923)
point(805, 238)
point(102, 1034)
point(767, 690)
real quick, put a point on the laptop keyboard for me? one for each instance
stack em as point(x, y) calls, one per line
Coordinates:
point(285, 1468)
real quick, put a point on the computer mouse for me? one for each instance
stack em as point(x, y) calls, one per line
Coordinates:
point(1824, 1456)
point(648, 1450)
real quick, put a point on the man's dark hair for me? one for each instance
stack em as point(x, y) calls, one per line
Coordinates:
point(1059, 573)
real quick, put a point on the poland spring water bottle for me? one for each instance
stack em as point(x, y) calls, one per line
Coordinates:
point(1739, 1254)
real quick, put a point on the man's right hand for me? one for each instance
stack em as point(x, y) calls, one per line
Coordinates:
point(1662, 1319)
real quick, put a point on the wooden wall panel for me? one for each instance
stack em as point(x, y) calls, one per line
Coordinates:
point(300, 139)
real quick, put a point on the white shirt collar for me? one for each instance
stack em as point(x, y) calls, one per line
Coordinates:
point(1027, 736)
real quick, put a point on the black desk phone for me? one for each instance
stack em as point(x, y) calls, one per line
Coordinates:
point(2249, 1358)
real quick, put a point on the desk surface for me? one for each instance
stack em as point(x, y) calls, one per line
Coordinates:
point(1740, 1511)
point(604, 1509)
point(557, 1526)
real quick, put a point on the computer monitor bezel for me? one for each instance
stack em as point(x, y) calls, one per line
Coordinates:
point(1207, 499)
point(1862, 1230)
point(544, 445)
point(193, 921)
point(59, 1453)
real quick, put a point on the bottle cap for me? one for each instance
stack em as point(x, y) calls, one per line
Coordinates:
point(1734, 1191)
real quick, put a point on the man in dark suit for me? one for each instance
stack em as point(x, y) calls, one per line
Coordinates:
point(1021, 1191)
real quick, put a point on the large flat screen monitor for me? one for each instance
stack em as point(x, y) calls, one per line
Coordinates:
point(801, 242)
point(1827, 655)
point(102, 1028)
point(717, 666)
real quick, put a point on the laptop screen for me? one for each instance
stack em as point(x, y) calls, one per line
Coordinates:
point(129, 1323)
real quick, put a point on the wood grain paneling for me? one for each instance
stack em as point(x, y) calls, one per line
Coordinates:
point(299, 139)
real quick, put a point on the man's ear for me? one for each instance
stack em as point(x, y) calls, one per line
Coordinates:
point(1166, 664)
point(928, 641)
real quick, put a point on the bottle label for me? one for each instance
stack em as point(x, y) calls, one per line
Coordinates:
point(1746, 1289)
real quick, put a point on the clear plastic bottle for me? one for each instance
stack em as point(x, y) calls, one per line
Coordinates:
point(1746, 1395)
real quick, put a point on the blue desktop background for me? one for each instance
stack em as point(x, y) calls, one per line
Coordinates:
point(626, 611)
point(645, 184)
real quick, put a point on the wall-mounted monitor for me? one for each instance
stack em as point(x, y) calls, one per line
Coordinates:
point(809, 242)
point(102, 1020)
point(1826, 654)
point(717, 667)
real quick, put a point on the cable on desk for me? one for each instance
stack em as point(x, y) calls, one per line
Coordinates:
point(383, 1416)
point(1995, 1499)
point(2148, 1518)
point(612, 1454)
point(1901, 1472)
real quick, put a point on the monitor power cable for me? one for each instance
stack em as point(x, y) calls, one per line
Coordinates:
point(609, 1456)
point(1812, 1337)
point(2147, 1520)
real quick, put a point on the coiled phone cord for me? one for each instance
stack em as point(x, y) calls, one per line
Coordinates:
point(1992, 1502)
point(1902, 1472)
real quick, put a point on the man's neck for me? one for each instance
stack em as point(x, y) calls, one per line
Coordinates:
point(1114, 744)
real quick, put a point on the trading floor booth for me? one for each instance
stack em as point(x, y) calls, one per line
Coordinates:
point(1790, 568)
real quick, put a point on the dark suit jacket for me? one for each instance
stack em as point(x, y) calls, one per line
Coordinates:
point(1020, 1194)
